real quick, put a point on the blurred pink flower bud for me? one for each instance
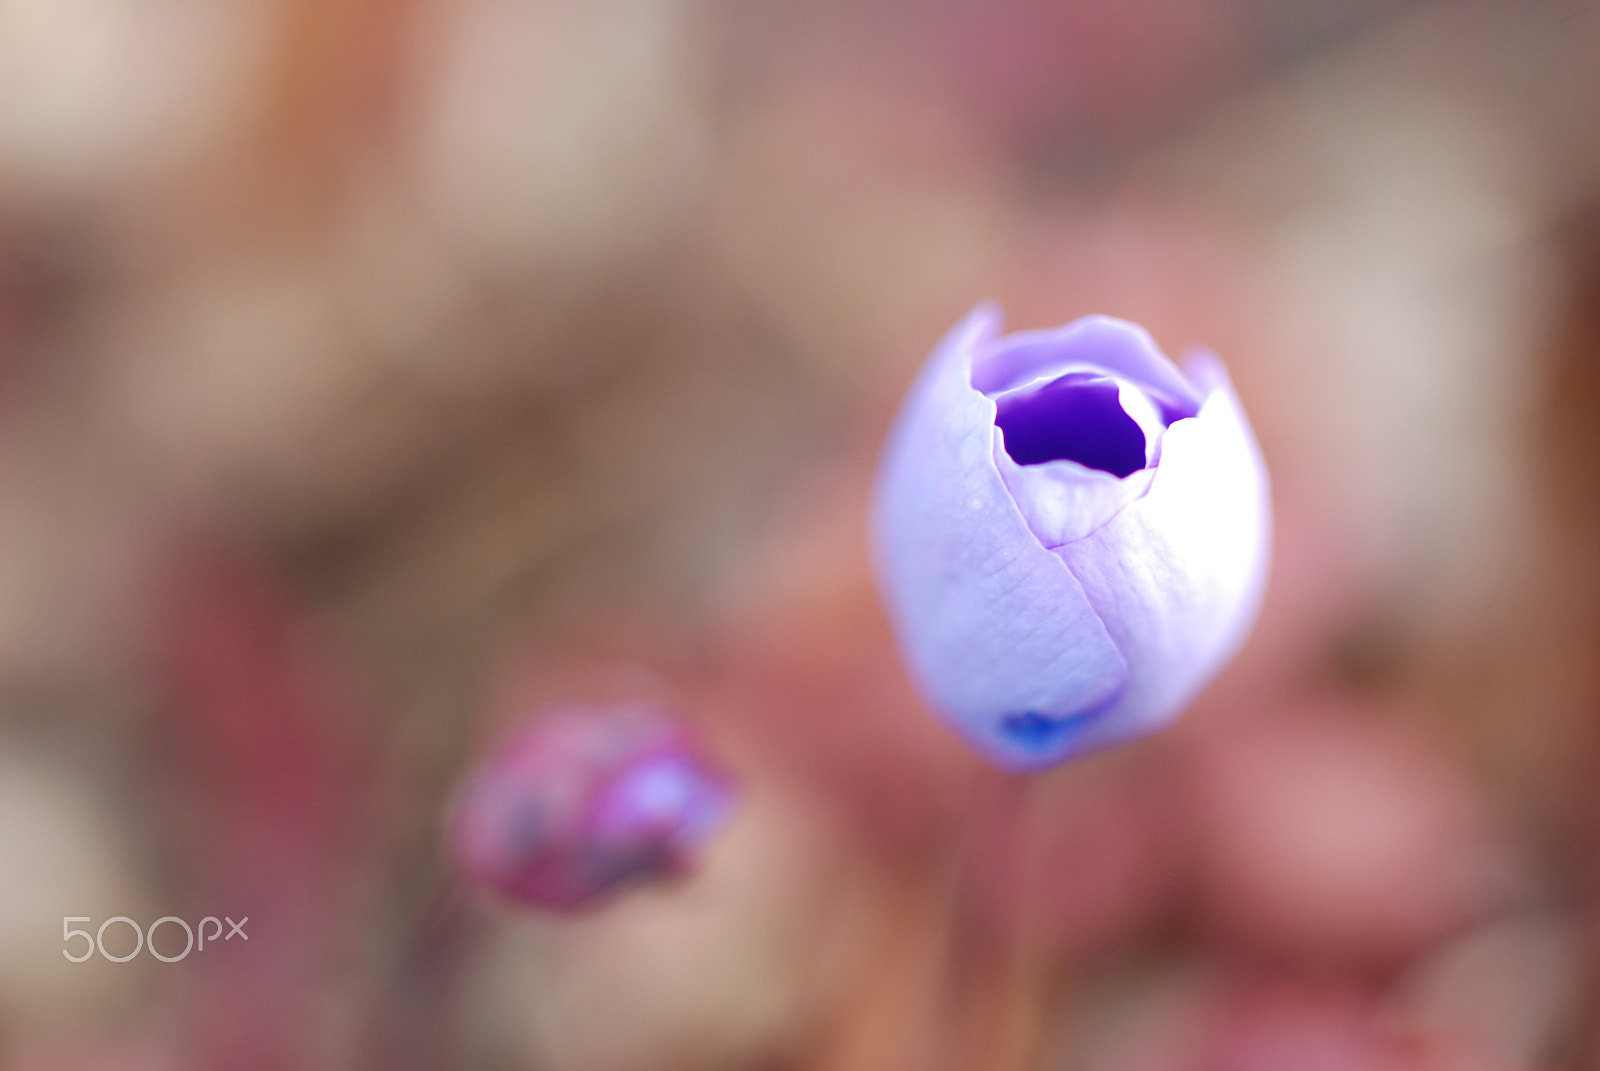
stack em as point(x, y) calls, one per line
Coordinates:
point(582, 800)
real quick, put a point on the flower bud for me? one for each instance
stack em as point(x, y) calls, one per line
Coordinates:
point(1070, 533)
point(582, 800)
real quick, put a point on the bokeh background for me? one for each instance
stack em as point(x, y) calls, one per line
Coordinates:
point(373, 372)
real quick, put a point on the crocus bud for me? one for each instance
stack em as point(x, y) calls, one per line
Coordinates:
point(1070, 533)
point(582, 800)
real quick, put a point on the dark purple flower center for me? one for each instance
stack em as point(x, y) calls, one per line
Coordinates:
point(1077, 417)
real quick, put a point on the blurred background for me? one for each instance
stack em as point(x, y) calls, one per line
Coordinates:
point(373, 372)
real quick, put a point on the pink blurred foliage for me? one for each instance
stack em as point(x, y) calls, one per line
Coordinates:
point(121, 1057)
point(610, 654)
point(1026, 69)
point(1108, 64)
point(1084, 863)
point(258, 691)
point(1339, 829)
point(1280, 1023)
point(803, 670)
point(11, 310)
point(1283, 1023)
point(792, 672)
point(271, 765)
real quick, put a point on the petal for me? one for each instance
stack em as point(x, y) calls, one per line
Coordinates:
point(995, 628)
point(1063, 501)
point(1102, 343)
point(1177, 576)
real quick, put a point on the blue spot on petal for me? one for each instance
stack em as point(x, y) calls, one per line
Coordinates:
point(1041, 733)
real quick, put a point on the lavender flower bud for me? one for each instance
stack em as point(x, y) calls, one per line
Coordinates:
point(582, 800)
point(1071, 535)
